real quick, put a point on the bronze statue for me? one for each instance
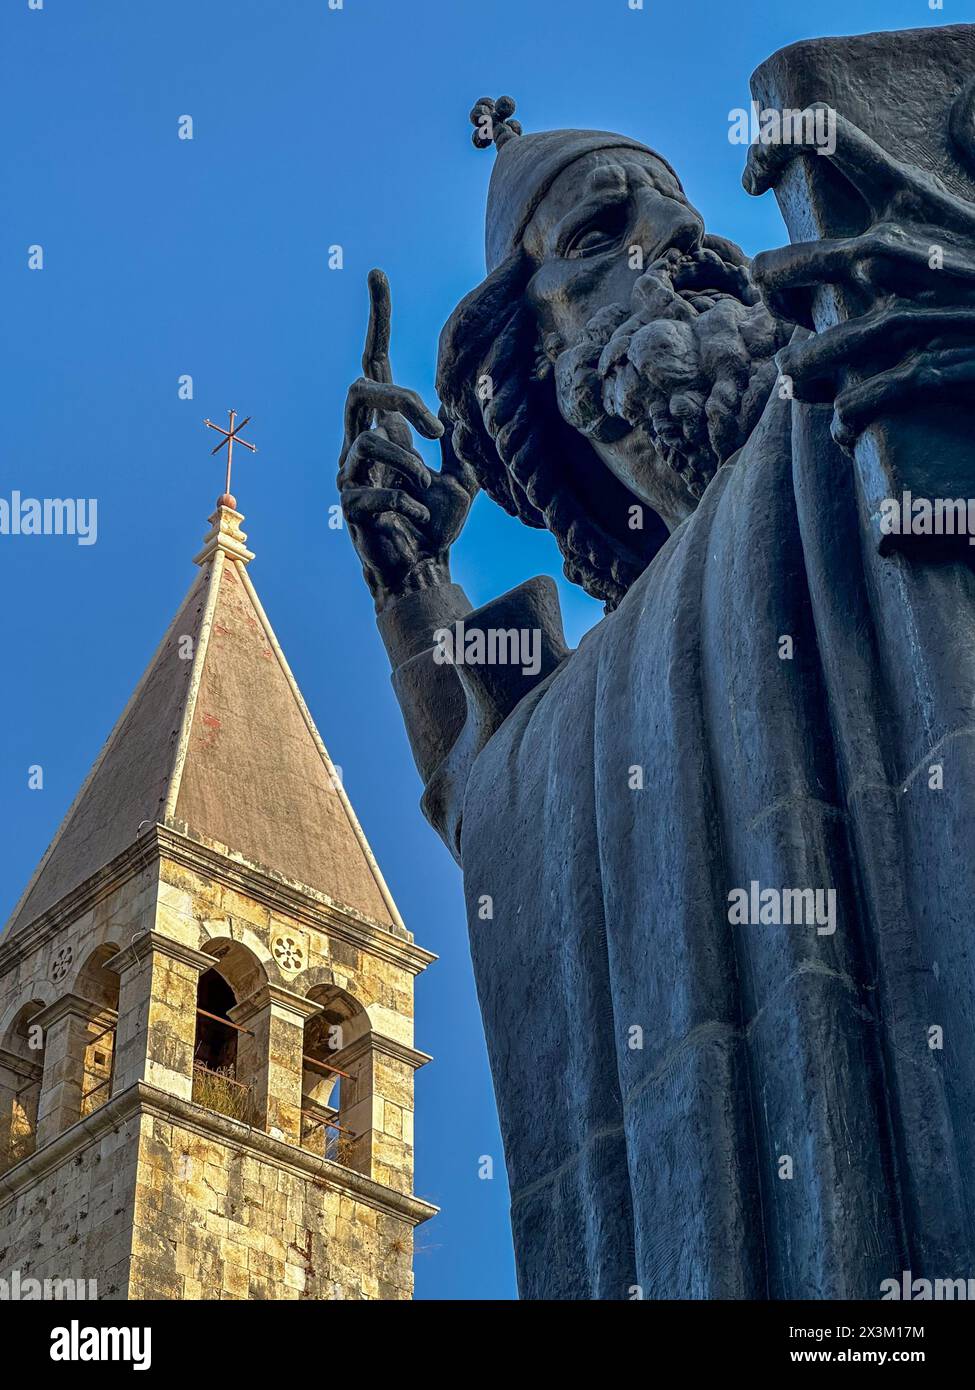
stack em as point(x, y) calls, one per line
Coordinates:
point(717, 860)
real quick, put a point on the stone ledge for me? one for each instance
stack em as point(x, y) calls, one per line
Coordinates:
point(72, 1004)
point(267, 994)
point(148, 943)
point(22, 1066)
point(143, 1099)
point(18, 946)
point(278, 894)
point(389, 1047)
point(290, 899)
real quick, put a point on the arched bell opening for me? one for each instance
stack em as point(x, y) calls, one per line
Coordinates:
point(21, 1071)
point(223, 1064)
point(100, 987)
point(330, 1091)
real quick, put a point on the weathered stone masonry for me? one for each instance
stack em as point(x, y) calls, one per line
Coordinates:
point(261, 1147)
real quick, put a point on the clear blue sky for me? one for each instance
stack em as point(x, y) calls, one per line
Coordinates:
point(209, 257)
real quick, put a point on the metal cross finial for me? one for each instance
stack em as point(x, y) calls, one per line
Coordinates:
point(229, 436)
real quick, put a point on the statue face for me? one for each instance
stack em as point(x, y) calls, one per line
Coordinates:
point(655, 331)
point(580, 235)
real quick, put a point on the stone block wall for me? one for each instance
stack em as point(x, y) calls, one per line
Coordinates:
point(66, 1213)
point(154, 1195)
point(214, 1220)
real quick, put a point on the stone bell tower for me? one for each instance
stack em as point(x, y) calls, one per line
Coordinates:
point(206, 998)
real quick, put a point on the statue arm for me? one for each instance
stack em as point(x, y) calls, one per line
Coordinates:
point(403, 518)
point(430, 695)
point(452, 711)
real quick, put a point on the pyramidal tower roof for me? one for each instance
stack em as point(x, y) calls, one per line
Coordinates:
point(217, 742)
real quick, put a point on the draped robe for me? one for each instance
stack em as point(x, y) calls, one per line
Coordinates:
point(692, 1108)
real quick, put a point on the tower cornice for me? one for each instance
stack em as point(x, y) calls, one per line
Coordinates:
point(283, 896)
point(145, 1099)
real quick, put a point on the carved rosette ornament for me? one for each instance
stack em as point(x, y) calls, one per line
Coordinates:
point(288, 954)
point(61, 964)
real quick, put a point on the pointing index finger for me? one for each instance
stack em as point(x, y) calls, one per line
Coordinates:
point(375, 354)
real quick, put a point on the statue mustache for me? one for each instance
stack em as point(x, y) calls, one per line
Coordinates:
point(688, 360)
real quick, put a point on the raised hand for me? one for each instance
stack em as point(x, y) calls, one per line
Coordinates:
point(402, 517)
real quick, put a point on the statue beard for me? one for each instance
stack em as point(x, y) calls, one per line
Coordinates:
point(689, 361)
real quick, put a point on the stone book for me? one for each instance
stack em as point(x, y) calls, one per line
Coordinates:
point(913, 93)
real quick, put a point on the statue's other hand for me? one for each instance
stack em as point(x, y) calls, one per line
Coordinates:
point(908, 281)
point(402, 517)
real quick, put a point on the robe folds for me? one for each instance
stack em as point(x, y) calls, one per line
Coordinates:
point(694, 1107)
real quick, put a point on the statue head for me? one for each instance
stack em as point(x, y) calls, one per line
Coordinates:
point(614, 358)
